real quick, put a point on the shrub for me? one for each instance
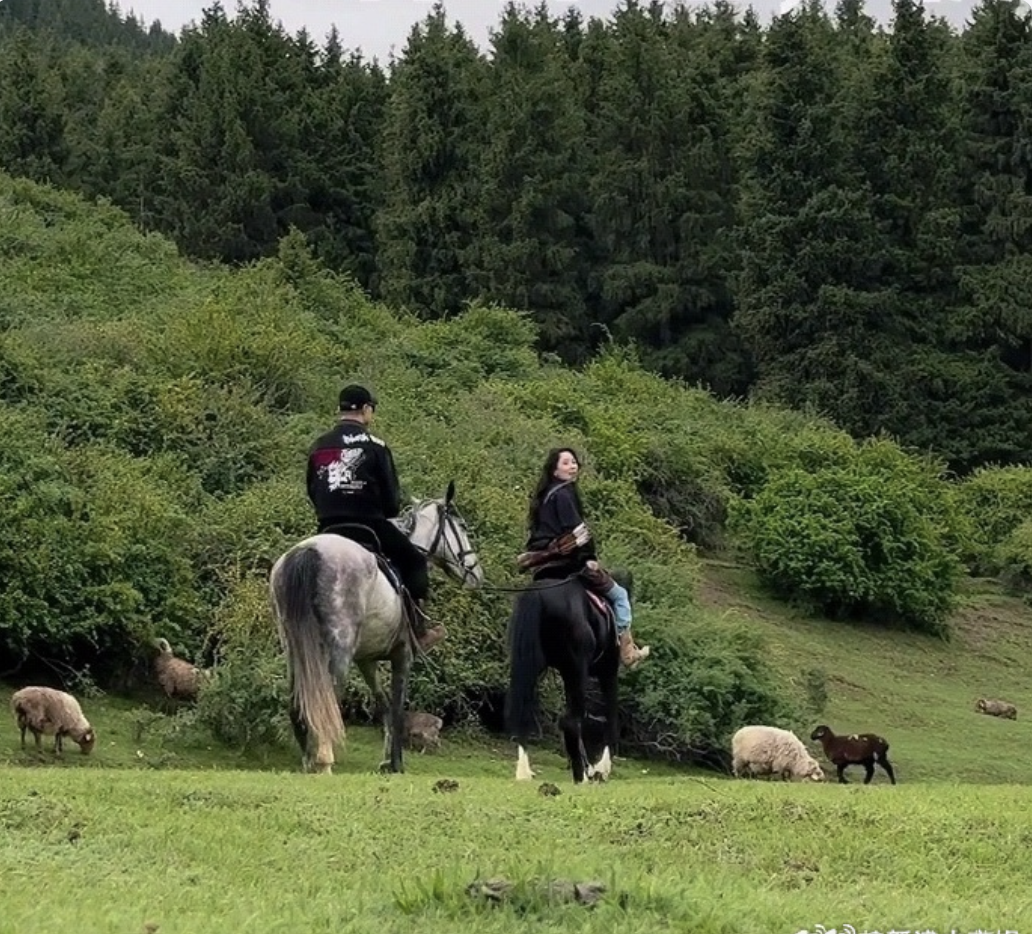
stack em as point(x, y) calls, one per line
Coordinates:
point(996, 500)
point(96, 551)
point(1014, 557)
point(156, 418)
point(246, 704)
point(713, 679)
point(874, 537)
point(815, 687)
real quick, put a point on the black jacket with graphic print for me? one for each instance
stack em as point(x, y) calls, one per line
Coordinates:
point(351, 476)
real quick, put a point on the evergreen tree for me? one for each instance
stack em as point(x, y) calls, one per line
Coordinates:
point(431, 137)
point(343, 117)
point(811, 309)
point(530, 182)
point(660, 194)
point(33, 114)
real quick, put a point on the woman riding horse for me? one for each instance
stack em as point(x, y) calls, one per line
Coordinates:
point(560, 543)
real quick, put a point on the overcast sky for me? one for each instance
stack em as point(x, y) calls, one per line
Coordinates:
point(374, 26)
point(371, 25)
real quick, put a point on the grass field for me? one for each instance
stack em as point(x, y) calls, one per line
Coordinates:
point(917, 691)
point(168, 832)
point(94, 850)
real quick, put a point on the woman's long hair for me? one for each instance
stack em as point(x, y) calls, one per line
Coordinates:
point(546, 480)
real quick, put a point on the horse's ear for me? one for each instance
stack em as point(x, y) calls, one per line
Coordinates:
point(415, 500)
point(450, 494)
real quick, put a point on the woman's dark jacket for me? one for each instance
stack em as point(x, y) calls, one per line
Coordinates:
point(558, 514)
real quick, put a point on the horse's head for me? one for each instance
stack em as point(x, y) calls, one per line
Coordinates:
point(436, 527)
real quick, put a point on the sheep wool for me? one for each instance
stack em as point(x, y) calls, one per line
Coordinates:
point(996, 708)
point(178, 678)
point(769, 750)
point(423, 730)
point(47, 711)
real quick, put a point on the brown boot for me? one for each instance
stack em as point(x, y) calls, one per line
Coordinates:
point(427, 637)
point(630, 654)
point(431, 637)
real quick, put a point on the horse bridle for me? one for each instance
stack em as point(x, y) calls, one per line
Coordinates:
point(447, 515)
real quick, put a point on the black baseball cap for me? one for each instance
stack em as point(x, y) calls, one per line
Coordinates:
point(355, 397)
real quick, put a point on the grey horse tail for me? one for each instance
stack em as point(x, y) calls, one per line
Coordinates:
point(311, 679)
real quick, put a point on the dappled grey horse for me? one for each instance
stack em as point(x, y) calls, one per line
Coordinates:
point(335, 606)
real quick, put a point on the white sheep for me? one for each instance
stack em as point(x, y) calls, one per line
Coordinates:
point(768, 750)
point(52, 712)
point(178, 678)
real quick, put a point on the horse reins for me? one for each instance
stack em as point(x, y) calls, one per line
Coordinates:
point(446, 515)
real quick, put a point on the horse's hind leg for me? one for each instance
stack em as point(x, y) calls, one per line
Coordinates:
point(381, 704)
point(883, 761)
point(524, 773)
point(401, 662)
point(574, 682)
point(869, 771)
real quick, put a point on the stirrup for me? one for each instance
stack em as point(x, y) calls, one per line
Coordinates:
point(414, 614)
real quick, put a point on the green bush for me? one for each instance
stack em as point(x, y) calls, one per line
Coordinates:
point(704, 681)
point(245, 705)
point(996, 500)
point(875, 537)
point(96, 551)
point(1014, 558)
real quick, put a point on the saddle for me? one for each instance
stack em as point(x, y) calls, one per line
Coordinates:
point(601, 616)
point(367, 538)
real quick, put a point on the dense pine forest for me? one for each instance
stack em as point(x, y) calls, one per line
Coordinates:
point(821, 212)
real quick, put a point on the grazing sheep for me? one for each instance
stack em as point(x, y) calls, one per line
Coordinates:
point(178, 678)
point(996, 708)
point(423, 730)
point(49, 711)
point(855, 749)
point(768, 750)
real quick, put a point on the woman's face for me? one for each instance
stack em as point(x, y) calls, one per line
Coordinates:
point(566, 467)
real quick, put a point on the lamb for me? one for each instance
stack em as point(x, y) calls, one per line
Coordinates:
point(423, 730)
point(178, 678)
point(856, 749)
point(768, 750)
point(996, 708)
point(49, 711)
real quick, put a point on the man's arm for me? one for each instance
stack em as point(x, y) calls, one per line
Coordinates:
point(391, 486)
point(309, 477)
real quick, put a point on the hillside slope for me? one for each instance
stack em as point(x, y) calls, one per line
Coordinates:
point(156, 416)
point(917, 692)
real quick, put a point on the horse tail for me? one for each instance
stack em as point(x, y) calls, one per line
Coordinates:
point(526, 662)
point(304, 636)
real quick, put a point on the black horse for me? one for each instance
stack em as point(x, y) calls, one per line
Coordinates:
point(557, 624)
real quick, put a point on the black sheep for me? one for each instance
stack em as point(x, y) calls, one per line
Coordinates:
point(864, 749)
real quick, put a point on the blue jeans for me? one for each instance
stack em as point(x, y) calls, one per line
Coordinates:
point(621, 601)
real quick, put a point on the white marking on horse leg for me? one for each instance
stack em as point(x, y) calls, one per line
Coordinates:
point(524, 773)
point(602, 769)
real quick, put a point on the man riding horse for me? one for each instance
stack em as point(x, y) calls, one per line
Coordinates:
point(354, 488)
